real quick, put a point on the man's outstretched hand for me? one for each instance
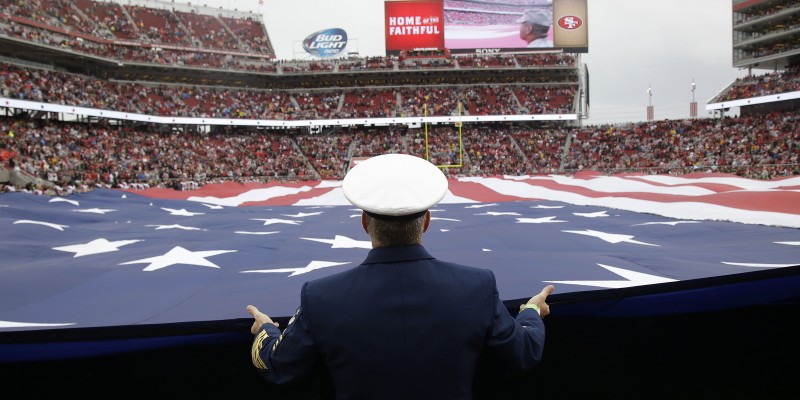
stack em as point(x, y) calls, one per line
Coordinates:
point(540, 300)
point(260, 319)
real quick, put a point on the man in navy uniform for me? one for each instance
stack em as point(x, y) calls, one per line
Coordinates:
point(402, 325)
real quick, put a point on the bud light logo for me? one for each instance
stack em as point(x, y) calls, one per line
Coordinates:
point(327, 43)
point(570, 22)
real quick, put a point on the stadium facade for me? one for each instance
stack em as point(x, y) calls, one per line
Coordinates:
point(766, 37)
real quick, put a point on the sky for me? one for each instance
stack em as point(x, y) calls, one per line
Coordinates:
point(633, 45)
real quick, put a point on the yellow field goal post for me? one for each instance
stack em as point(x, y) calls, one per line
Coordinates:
point(458, 124)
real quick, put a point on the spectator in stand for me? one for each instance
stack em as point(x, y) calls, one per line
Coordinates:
point(534, 26)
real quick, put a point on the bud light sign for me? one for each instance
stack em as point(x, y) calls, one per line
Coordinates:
point(327, 43)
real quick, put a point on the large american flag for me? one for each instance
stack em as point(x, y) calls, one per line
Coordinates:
point(112, 258)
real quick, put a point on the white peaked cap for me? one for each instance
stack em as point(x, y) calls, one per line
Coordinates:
point(394, 185)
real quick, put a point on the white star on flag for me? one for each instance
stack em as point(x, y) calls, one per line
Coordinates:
point(598, 214)
point(175, 226)
point(182, 212)
point(95, 210)
point(445, 219)
point(302, 214)
point(632, 278)
point(299, 271)
point(270, 221)
point(481, 205)
point(760, 265)
point(13, 324)
point(542, 220)
point(344, 242)
point(611, 237)
point(61, 199)
point(498, 213)
point(179, 255)
point(671, 223)
point(47, 224)
point(96, 246)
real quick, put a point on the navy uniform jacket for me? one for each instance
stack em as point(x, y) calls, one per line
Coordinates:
point(402, 325)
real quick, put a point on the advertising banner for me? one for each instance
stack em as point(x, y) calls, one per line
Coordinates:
point(487, 26)
point(326, 43)
point(414, 25)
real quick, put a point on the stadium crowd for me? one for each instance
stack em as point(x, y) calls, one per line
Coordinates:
point(777, 82)
point(78, 156)
point(41, 85)
point(233, 58)
point(104, 21)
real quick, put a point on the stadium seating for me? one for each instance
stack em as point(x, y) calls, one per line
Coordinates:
point(47, 154)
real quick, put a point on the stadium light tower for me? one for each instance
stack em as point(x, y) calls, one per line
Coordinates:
point(649, 102)
point(693, 104)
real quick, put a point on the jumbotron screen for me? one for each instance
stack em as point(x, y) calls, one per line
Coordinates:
point(486, 26)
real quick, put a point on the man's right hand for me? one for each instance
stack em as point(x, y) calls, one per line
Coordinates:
point(259, 319)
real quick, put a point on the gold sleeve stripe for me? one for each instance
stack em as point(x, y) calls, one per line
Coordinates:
point(255, 350)
point(275, 345)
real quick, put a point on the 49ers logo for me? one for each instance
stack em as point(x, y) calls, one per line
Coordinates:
point(570, 22)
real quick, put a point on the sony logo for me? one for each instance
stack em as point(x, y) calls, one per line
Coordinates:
point(487, 50)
